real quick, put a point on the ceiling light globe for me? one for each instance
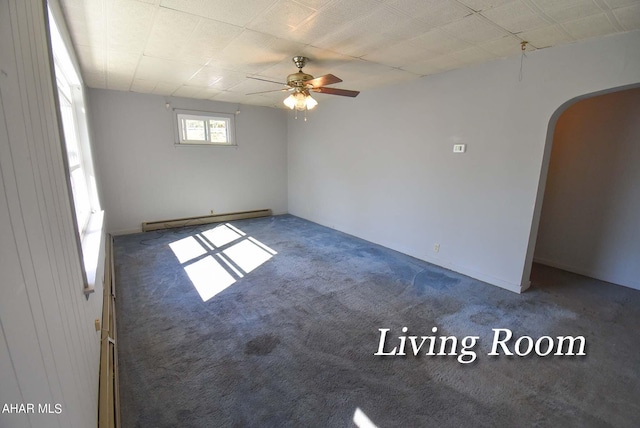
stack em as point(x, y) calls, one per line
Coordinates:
point(310, 102)
point(290, 102)
point(300, 99)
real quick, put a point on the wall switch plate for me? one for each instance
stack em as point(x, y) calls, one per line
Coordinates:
point(459, 148)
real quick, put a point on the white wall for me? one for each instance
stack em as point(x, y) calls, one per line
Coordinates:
point(589, 221)
point(49, 350)
point(144, 177)
point(381, 166)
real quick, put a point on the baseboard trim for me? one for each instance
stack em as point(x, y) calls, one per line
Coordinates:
point(462, 270)
point(586, 272)
point(515, 288)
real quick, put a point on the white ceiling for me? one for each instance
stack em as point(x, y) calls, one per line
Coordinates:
point(207, 48)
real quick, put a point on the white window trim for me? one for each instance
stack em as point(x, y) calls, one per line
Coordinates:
point(90, 235)
point(200, 114)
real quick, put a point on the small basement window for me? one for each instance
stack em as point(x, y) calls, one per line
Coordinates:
point(205, 128)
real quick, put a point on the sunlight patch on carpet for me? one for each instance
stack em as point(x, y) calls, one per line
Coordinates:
point(221, 235)
point(247, 255)
point(362, 420)
point(236, 255)
point(208, 277)
point(187, 249)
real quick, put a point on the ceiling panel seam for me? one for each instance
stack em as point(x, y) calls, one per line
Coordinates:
point(609, 13)
point(546, 17)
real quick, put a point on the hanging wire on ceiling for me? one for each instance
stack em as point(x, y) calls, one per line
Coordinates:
point(523, 46)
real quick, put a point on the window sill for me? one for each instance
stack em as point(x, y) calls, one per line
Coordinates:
point(93, 250)
point(204, 145)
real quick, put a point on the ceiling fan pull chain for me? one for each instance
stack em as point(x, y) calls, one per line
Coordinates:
point(523, 46)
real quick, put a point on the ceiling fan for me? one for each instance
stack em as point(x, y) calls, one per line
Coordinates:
point(300, 85)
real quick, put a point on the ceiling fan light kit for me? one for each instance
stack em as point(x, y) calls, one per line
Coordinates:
point(300, 101)
point(300, 85)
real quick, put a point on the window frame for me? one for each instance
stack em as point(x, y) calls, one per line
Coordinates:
point(180, 115)
point(67, 94)
point(72, 123)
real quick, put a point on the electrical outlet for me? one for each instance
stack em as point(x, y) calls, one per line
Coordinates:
point(436, 248)
point(97, 324)
point(459, 148)
point(212, 212)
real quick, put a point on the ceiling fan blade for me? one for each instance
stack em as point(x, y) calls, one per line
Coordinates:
point(327, 79)
point(265, 80)
point(336, 91)
point(266, 92)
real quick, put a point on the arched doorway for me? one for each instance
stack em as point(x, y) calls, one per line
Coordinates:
point(589, 192)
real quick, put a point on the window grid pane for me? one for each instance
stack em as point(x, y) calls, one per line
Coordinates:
point(80, 197)
point(218, 131)
point(69, 128)
point(195, 130)
point(79, 188)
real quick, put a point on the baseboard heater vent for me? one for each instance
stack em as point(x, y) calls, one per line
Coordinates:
point(206, 219)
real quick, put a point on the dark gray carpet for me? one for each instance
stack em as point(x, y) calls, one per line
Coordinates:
point(291, 343)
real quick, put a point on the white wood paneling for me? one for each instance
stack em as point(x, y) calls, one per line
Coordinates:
point(49, 350)
point(10, 391)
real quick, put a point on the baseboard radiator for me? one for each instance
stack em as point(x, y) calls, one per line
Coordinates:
point(108, 401)
point(206, 219)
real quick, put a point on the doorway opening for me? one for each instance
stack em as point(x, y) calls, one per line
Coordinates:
point(589, 195)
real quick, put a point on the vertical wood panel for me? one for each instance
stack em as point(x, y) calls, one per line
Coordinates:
point(15, 312)
point(10, 391)
point(31, 192)
point(49, 351)
point(19, 275)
